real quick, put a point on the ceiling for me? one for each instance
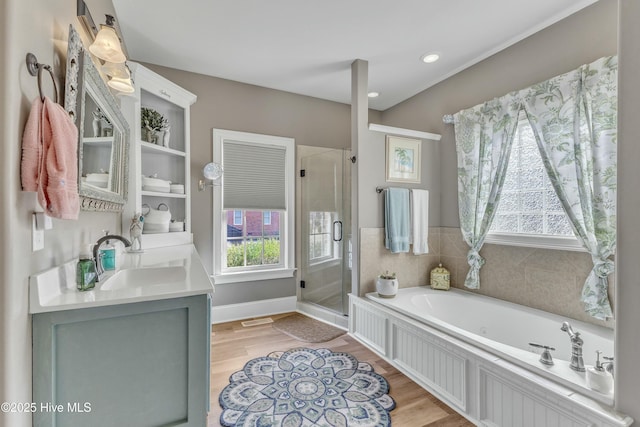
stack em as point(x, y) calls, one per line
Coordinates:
point(307, 46)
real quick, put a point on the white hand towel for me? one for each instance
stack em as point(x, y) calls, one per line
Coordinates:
point(420, 221)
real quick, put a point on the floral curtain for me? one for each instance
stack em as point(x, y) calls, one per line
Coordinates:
point(574, 119)
point(484, 135)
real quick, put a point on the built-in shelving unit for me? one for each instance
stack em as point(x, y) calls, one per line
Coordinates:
point(170, 163)
point(148, 147)
point(158, 194)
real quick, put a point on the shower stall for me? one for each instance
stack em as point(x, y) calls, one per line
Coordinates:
point(325, 227)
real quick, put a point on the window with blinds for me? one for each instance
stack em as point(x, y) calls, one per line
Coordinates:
point(254, 176)
point(254, 207)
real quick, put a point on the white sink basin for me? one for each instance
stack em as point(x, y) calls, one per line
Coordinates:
point(158, 273)
point(141, 277)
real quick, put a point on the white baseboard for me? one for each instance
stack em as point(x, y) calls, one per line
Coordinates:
point(247, 310)
point(326, 316)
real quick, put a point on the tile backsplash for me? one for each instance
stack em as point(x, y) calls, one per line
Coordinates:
point(411, 270)
point(546, 279)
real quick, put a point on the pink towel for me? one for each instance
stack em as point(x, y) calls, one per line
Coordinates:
point(50, 159)
point(32, 148)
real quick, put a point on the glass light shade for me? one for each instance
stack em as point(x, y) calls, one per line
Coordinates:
point(112, 69)
point(212, 171)
point(107, 45)
point(121, 85)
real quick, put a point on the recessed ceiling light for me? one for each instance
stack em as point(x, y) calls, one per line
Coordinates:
point(373, 94)
point(430, 57)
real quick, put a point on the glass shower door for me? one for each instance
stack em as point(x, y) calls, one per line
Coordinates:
point(326, 229)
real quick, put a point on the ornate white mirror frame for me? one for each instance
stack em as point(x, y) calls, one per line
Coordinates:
point(84, 88)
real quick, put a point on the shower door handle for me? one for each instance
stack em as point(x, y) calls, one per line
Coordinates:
point(337, 228)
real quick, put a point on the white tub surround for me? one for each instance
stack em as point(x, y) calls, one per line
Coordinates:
point(472, 352)
point(155, 274)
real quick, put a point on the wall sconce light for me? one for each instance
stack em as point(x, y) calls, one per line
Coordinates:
point(107, 43)
point(212, 172)
point(120, 76)
point(107, 47)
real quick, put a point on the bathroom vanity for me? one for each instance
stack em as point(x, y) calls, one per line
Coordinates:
point(133, 351)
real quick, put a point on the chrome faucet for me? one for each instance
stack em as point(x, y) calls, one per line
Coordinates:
point(577, 364)
point(96, 251)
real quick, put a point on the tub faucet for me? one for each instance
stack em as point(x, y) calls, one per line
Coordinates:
point(96, 251)
point(577, 364)
point(608, 365)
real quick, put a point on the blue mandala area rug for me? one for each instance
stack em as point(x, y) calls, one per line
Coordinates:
point(305, 387)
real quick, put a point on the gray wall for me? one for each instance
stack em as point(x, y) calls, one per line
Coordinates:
point(576, 40)
point(226, 104)
point(372, 161)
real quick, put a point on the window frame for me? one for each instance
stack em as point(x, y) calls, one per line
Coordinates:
point(287, 232)
point(541, 241)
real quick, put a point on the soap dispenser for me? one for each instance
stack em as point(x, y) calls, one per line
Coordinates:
point(86, 274)
point(108, 255)
point(598, 378)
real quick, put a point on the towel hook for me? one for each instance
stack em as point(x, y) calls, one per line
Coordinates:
point(35, 68)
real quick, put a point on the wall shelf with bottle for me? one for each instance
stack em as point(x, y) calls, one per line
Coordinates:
point(159, 116)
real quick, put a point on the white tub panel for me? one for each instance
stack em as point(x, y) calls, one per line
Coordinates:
point(370, 326)
point(502, 403)
point(486, 389)
point(425, 357)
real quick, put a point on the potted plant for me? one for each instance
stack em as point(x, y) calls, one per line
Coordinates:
point(387, 285)
point(152, 122)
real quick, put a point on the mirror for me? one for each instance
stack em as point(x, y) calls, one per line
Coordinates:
point(103, 143)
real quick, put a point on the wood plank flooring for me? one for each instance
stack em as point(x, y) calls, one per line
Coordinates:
point(232, 345)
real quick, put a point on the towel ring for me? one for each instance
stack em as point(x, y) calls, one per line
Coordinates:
point(35, 68)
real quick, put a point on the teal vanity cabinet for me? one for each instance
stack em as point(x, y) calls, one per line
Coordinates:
point(135, 364)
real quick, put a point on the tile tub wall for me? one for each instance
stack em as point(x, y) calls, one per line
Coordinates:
point(412, 270)
point(549, 280)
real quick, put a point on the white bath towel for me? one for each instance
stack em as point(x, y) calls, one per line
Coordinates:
point(420, 221)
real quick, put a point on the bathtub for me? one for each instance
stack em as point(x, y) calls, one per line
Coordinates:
point(483, 346)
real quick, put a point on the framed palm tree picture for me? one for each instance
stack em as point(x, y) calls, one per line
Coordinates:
point(403, 159)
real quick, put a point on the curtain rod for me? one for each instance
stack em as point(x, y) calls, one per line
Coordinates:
point(448, 119)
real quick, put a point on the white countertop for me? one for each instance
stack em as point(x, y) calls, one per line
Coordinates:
point(55, 289)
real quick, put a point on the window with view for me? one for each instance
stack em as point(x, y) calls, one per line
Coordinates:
point(320, 241)
point(252, 243)
point(528, 203)
point(253, 207)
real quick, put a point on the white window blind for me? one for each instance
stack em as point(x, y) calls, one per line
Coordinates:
point(254, 176)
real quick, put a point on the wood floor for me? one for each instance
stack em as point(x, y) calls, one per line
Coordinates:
point(232, 345)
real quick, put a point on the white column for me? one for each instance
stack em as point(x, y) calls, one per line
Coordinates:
point(627, 300)
point(359, 129)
